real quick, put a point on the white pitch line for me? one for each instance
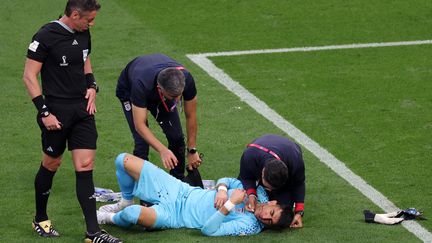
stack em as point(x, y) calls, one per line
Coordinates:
point(317, 48)
point(322, 154)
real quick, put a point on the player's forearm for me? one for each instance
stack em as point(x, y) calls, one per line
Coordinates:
point(32, 85)
point(299, 193)
point(191, 122)
point(191, 131)
point(149, 137)
point(229, 182)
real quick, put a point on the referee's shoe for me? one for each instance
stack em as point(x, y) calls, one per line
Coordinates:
point(101, 237)
point(45, 229)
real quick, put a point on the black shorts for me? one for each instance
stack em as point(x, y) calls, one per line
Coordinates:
point(78, 127)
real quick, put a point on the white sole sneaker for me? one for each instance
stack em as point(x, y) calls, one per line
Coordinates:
point(104, 217)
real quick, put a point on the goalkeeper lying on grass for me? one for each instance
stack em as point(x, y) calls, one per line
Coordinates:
point(178, 205)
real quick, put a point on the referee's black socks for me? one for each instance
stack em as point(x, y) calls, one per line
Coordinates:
point(43, 182)
point(85, 193)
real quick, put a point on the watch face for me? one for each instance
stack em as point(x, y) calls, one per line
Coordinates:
point(192, 150)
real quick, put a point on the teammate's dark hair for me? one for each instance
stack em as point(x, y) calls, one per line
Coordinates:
point(275, 173)
point(81, 6)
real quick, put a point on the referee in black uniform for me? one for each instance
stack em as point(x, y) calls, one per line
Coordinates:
point(60, 51)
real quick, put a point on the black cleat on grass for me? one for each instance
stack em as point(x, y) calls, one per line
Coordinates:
point(45, 229)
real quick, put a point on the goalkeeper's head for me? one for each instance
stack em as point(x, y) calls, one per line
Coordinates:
point(274, 174)
point(273, 215)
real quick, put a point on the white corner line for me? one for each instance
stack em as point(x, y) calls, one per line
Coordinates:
point(322, 154)
point(316, 48)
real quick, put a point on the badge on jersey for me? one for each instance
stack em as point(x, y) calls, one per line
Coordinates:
point(127, 105)
point(33, 46)
point(64, 62)
point(85, 54)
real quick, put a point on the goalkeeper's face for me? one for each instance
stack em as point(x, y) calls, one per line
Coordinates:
point(268, 213)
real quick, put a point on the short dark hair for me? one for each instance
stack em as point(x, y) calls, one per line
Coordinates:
point(285, 219)
point(171, 80)
point(81, 6)
point(275, 173)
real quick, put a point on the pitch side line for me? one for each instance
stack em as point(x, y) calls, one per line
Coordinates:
point(322, 154)
point(316, 48)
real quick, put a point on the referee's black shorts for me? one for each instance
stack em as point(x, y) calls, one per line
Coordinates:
point(78, 127)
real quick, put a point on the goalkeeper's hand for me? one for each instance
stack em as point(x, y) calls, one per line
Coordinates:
point(385, 218)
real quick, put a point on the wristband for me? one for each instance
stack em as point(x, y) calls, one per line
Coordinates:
point(223, 188)
point(91, 82)
point(251, 191)
point(299, 207)
point(39, 102)
point(229, 205)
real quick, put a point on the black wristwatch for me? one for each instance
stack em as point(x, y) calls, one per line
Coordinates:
point(301, 213)
point(192, 150)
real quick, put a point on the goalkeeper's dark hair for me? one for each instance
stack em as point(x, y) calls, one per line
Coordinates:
point(81, 6)
point(285, 219)
point(275, 173)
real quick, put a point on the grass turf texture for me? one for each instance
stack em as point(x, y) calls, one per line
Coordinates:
point(365, 106)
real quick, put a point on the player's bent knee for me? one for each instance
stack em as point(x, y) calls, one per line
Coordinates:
point(131, 214)
point(147, 217)
point(119, 161)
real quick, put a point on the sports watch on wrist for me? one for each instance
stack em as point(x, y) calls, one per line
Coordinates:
point(301, 213)
point(192, 150)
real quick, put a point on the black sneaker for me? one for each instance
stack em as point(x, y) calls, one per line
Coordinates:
point(45, 229)
point(101, 237)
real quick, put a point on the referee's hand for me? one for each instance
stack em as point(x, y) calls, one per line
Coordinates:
point(91, 101)
point(51, 123)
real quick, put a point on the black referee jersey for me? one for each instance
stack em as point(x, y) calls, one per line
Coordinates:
point(63, 52)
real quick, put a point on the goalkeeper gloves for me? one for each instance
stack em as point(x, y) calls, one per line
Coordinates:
point(386, 218)
point(394, 217)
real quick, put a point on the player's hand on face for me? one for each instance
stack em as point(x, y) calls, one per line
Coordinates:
point(91, 101)
point(194, 160)
point(251, 203)
point(51, 123)
point(297, 221)
point(220, 199)
point(237, 196)
point(168, 158)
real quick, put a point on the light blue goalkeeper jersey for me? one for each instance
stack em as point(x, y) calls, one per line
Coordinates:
point(179, 205)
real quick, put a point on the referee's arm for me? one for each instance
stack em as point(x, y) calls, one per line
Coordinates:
point(31, 71)
point(91, 92)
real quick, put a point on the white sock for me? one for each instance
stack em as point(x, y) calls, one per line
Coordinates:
point(125, 202)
